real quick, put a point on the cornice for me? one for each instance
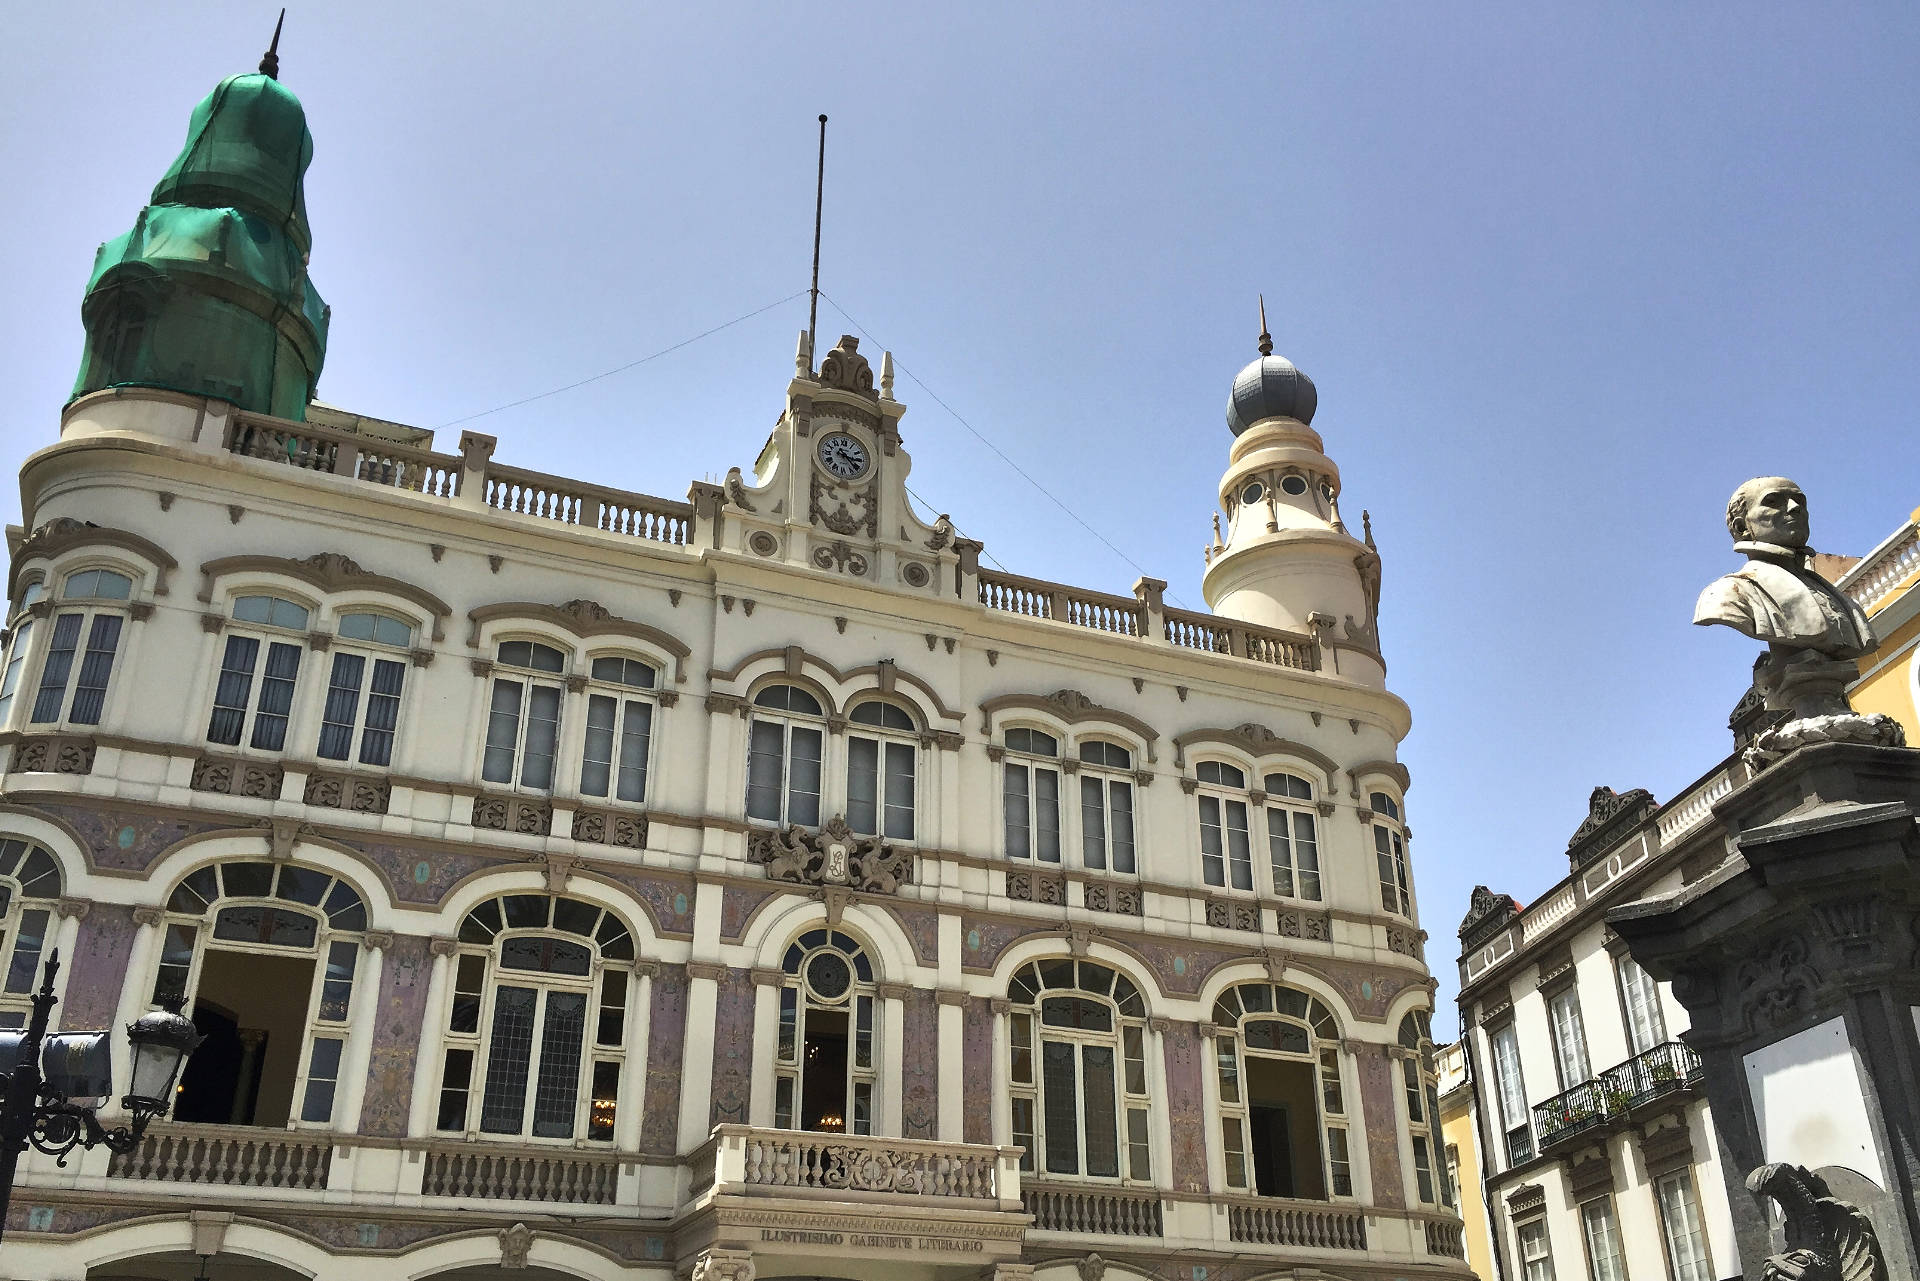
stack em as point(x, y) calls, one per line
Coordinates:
point(328, 572)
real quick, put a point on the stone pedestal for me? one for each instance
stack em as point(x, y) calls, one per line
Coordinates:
point(1798, 961)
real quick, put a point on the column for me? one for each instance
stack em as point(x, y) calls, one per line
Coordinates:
point(136, 991)
point(766, 1031)
point(426, 1073)
point(1161, 1095)
point(1002, 1099)
point(953, 1065)
point(365, 1012)
point(891, 1120)
point(696, 1056)
point(633, 1070)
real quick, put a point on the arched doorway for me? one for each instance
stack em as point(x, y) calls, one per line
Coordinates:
point(181, 1265)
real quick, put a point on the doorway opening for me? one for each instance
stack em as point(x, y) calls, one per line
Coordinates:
point(253, 1011)
point(1283, 1118)
point(823, 1082)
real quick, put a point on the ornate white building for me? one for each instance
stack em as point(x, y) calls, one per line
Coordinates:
point(574, 882)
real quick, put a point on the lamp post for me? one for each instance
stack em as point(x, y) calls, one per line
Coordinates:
point(51, 1086)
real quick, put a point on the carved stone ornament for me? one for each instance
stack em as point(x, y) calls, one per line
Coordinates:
point(736, 489)
point(838, 555)
point(1776, 982)
point(942, 533)
point(1609, 815)
point(723, 1265)
point(1092, 1268)
point(834, 855)
point(846, 368)
point(1486, 915)
point(1827, 1239)
point(841, 518)
point(515, 1243)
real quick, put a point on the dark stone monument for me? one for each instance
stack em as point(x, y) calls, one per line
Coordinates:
point(1797, 955)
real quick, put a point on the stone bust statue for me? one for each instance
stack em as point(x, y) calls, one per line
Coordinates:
point(1812, 630)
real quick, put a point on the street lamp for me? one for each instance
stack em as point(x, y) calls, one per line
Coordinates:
point(50, 1086)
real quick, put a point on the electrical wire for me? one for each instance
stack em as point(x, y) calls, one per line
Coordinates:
point(999, 452)
point(631, 364)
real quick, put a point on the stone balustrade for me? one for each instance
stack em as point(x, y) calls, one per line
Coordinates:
point(232, 1156)
point(496, 1172)
point(742, 1160)
point(1301, 1224)
point(1093, 1210)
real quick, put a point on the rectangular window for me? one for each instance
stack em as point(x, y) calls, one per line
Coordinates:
point(1569, 1038)
point(345, 707)
point(803, 777)
point(1293, 846)
point(456, 1080)
point(766, 753)
point(1103, 1151)
point(1513, 1096)
point(875, 798)
point(23, 970)
point(234, 696)
point(523, 723)
point(615, 753)
point(1031, 795)
point(16, 663)
point(1106, 824)
point(503, 1106)
point(1536, 1261)
point(1646, 1026)
point(323, 1073)
point(1680, 1220)
point(1423, 1168)
point(1063, 1107)
point(1604, 1254)
point(1390, 851)
point(96, 667)
point(1225, 852)
point(557, 1092)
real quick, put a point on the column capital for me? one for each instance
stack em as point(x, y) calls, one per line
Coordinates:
point(444, 945)
point(710, 970)
point(73, 907)
point(149, 915)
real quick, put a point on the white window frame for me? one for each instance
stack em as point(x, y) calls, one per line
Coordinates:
point(1131, 1108)
point(1108, 780)
point(1332, 1117)
point(88, 609)
point(370, 652)
point(621, 694)
point(16, 990)
point(1681, 1267)
point(789, 722)
point(265, 636)
point(1534, 1266)
point(798, 1001)
point(1031, 763)
point(528, 680)
point(477, 1044)
point(1390, 855)
point(1632, 979)
point(1511, 1089)
point(1570, 1058)
point(1225, 797)
point(887, 741)
point(1284, 811)
point(1606, 1253)
point(1420, 1096)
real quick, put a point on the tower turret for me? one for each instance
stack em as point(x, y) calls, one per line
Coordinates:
point(1287, 559)
point(208, 293)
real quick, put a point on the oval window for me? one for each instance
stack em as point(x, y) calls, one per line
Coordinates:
point(1252, 494)
point(1295, 485)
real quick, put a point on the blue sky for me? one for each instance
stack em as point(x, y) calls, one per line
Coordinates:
point(1564, 276)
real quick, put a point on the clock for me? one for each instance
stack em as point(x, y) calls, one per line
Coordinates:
point(843, 456)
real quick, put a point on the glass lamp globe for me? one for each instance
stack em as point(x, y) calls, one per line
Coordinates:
point(161, 1040)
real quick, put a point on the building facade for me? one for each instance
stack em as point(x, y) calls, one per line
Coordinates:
point(1596, 1146)
point(1459, 1138)
point(1882, 583)
point(575, 882)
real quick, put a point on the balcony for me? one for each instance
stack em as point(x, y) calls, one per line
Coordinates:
point(1617, 1093)
point(229, 1156)
point(1314, 1225)
point(1092, 1211)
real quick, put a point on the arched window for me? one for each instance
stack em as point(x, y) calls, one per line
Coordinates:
point(1390, 852)
point(1226, 851)
point(1030, 792)
point(1421, 1085)
point(881, 763)
point(824, 1064)
point(1078, 1037)
point(538, 1023)
point(30, 882)
point(1106, 807)
point(1283, 1114)
point(264, 956)
point(619, 728)
point(86, 634)
point(1293, 840)
point(371, 646)
point(250, 710)
point(783, 756)
point(523, 718)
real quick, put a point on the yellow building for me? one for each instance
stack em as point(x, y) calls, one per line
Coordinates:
point(1460, 1136)
point(1882, 583)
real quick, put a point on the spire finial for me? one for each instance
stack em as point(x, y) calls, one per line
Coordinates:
point(1266, 339)
point(270, 64)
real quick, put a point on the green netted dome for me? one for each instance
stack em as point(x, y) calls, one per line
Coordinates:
point(208, 294)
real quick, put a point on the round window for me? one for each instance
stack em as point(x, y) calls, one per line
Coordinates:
point(829, 976)
point(1295, 485)
point(1252, 494)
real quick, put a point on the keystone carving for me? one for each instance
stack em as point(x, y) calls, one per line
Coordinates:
point(834, 856)
point(515, 1243)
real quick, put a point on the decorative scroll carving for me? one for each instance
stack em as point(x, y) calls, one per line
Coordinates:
point(841, 518)
point(942, 533)
point(1036, 887)
point(349, 792)
point(1121, 899)
point(835, 855)
point(1827, 1239)
point(1233, 914)
point(1297, 923)
point(611, 827)
point(837, 555)
point(254, 779)
point(846, 368)
point(53, 754)
point(513, 814)
point(1776, 982)
point(736, 490)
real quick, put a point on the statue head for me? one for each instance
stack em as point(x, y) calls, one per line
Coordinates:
point(1769, 509)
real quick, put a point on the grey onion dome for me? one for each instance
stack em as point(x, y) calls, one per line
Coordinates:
point(1270, 387)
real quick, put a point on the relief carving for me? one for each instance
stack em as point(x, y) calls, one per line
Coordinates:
point(1776, 982)
point(835, 855)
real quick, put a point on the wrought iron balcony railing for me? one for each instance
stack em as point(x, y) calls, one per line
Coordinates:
point(1616, 1092)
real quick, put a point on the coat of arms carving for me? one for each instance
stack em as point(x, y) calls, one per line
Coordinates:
point(835, 855)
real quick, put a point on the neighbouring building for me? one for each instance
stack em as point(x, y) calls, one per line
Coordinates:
point(575, 882)
point(1882, 583)
point(1459, 1137)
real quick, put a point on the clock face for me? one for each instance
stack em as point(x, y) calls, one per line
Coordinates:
point(843, 456)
